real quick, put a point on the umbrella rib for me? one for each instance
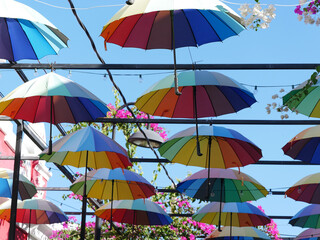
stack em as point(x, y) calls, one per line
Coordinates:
point(211, 102)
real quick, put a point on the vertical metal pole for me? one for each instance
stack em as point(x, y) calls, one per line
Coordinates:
point(111, 223)
point(230, 225)
point(15, 185)
point(209, 156)
point(196, 115)
point(84, 203)
point(219, 227)
point(97, 228)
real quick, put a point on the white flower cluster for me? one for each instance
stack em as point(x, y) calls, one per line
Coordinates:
point(256, 17)
point(310, 17)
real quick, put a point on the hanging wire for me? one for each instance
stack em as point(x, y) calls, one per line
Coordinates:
point(86, 8)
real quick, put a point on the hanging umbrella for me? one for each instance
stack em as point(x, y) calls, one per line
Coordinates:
point(232, 214)
point(54, 99)
point(136, 212)
point(87, 147)
point(113, 184)
point(26, 34)
point(305, 146)
point(309, 234)
point(26, 188)
point(238, 233)
point(308, 217)
point(205, 94)
point(171, 24)
point(306, 190)
point(225, 185)
point(34, 211)
point(222, 148)
point(305, 101)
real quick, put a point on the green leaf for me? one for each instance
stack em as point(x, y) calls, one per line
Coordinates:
point(318, 68)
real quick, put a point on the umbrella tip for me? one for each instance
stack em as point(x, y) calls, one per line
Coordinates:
point(130, 2)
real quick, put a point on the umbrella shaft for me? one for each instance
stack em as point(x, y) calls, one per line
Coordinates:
point(84, 202)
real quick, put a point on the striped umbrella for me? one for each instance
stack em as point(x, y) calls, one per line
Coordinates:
point(232, 214)
point(304, 101)
point(136, 212)
point(306, 190)
point(26, 188)
point(54, 99)
point(34, 211)
point(238, 233)
point(205, 94)
point(225, 185)
point(113, 184)
point(226, 147)
point(26, 34)
point(171, 24)
point(305, 146)
point(309, 234)
point(308, 217)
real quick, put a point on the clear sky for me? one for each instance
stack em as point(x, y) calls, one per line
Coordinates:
point(286, 41)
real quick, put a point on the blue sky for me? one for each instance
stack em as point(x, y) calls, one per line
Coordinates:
point(286, 41)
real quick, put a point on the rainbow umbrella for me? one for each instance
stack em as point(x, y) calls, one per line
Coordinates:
point(205, 94)
point(309, 234)
point(87, 147)
point(305, 146)
point(26, 188)
point(113, 184)
point(34, 211)
point(222, 148)
point(238, 233)
point(306, 190)
point(232, 214)
point(52, 98)
point(225, 185)
point(171, 24)
point(26, 34)
point(136, 212)
point(304, 101)
point(308, 217)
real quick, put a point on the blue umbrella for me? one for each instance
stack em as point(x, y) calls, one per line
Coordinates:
point(26, 34)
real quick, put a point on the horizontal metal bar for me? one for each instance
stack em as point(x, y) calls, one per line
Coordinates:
point(245, 66)
point(209, 121)
point(261, 162)
point(164, 190)
point(177, 215)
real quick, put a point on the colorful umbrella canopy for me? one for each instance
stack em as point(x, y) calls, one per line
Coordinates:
point(238, 233)
point(232, 214)
point(52, 98)
point(26, 34)
point(204, 94)
point(308, 217)
point(172, 24)
point(115, 184)
point(305, 146)
point(103, 152)
point(225, 185)
point(309, 234)
point(149, 25)
point(306, 190)
point(26, 188)
point(306, 104)
point(226, 147)
point(136, 212)
point(34, 211)
point(68, 101)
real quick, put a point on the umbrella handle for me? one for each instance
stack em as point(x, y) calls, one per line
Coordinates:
point(196, 115)
point(111, 204)
point(50, 140)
